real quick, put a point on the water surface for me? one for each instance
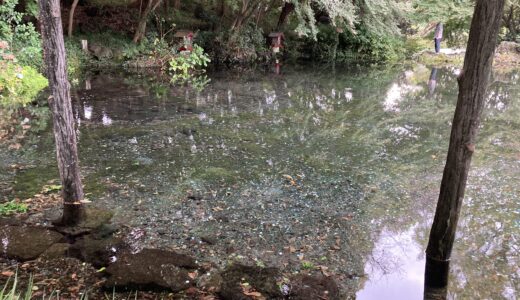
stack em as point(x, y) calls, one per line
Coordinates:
point(314, 169)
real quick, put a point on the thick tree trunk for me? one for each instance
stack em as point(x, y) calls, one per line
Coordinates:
point(287, 9)
point(473, 83)
point(71, 17)
point(63, 120)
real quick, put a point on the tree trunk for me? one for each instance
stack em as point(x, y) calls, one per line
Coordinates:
point(63, 120)
point(177, 5)
point(473, 83)
point(246, 10)
point(141, 26)
point(287, 9)
point(71, 17)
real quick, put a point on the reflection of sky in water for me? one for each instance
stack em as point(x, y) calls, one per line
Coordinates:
point(396, 94)
point(107, 121)
point(395, 265)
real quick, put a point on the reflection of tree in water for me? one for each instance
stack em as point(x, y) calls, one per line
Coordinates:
point(486, 259)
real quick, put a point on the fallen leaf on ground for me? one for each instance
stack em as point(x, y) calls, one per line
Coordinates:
point(192, 275)
point(8, 273)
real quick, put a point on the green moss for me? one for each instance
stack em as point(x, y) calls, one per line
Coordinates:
point(215, 174)
point(31, 181)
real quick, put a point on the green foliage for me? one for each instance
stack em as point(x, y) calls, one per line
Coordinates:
point(19, 85)
point(363, 44)
point(307, 265)
point(76, 58)
point(414, 45)
point(246, 44)
point(22, 36)
point(12, 207)
point(455, 14)
point(186, 63)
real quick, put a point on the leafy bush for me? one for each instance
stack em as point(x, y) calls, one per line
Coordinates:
point(19, 85)
point(247, 44)
point(363, 44)
point(22, 36)
point(76, 58)
point(186, 63)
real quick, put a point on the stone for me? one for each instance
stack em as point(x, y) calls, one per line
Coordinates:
point(99, 252)
point(305, 287)
point(210, 281)
point(208, 239)
point(262, 280)
point(26, 243)
point(151, 269)
point(58, 250)
point(95, 218)
point(100, 52)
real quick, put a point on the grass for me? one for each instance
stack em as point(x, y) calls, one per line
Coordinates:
point(12, 207)
point(11, 293)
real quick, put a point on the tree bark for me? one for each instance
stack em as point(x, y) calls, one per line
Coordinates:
point(141, 26)
point(246, 10)
point(63, 120)
point(71, 17)
point(473, 83)
point(287, 9)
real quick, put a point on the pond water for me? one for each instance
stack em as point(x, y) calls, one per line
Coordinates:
point(315, 169)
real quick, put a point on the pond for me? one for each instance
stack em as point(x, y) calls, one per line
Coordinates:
point(314, 169)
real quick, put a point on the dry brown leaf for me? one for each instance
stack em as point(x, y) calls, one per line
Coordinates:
point(8, 273)
point(254, 294)
point(192, 275)
point(288, 177)
point(15, 146)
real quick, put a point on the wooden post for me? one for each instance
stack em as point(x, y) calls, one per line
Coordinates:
point(84, 45)
point(63, 120)
point(473, 83)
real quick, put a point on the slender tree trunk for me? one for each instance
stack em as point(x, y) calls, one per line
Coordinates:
point(141, 26)
point(473, 83)
point(246, 10)
point(177, 5)
point(71, 17)
point(63, 120)
point(287, 9)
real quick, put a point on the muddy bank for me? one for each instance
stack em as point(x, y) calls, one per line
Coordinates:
point(103, 261)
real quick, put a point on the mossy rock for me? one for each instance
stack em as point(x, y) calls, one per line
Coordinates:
point(94, 218)
point(262, 280)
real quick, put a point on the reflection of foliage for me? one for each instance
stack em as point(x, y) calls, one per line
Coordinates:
point(456, 16)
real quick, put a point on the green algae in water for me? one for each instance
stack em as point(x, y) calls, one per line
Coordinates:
point(31, 181)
